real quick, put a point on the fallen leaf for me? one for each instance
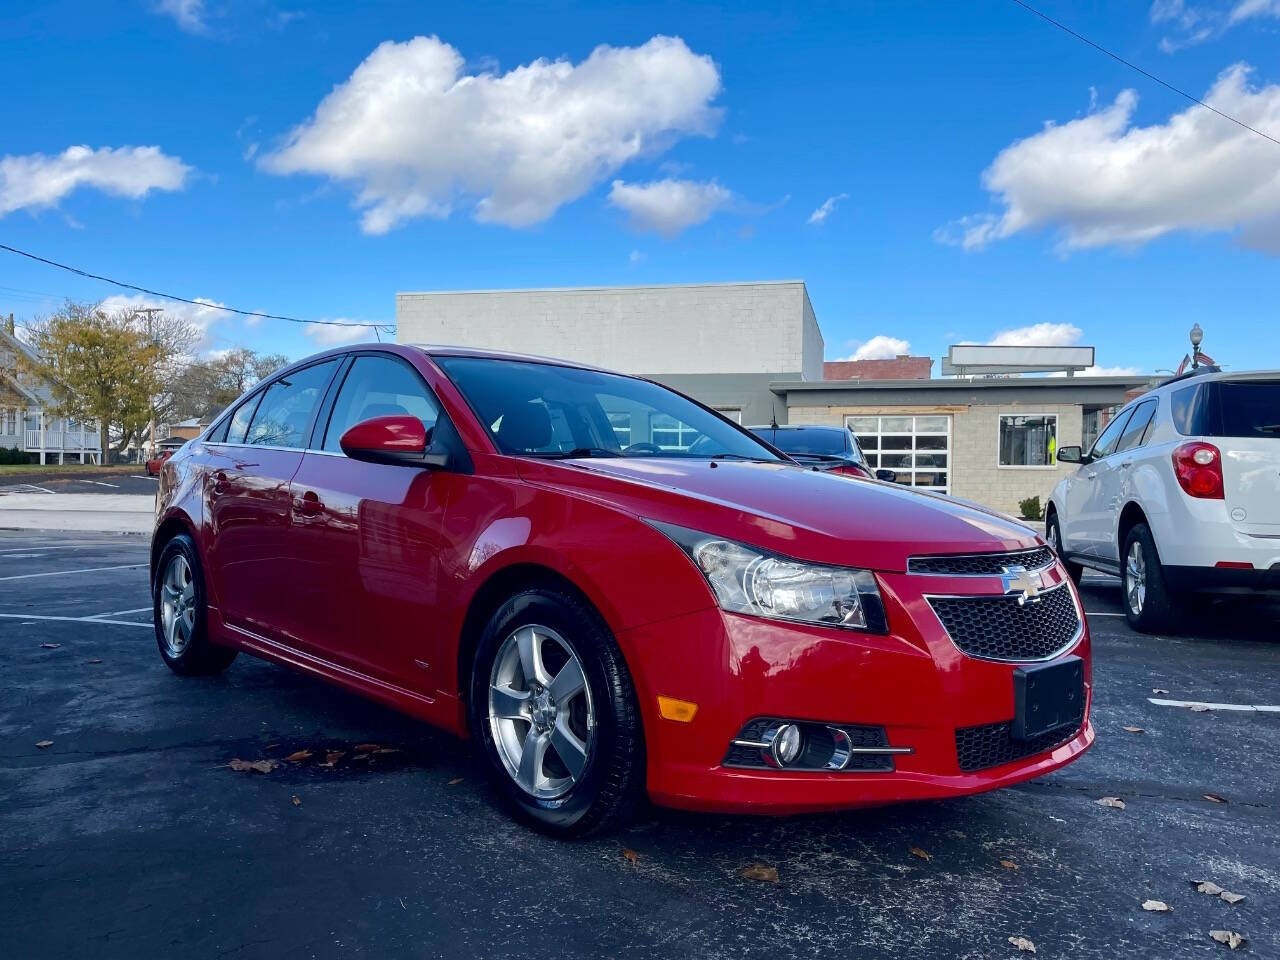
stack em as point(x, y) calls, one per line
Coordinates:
point(1111, 802)
point(1158, 692)
point(1206, 886)
point(366, 747)
point(1156, 906)
point(455, 781)
point(297, 801)
point(257, 766)
point(920, 854)
point(94, 660)
point(1022, 943)
point(297, 756)
point(1199, 708)
point(271, 746)
point(1230, 938)
point(43, 744)
point(1214, 798)
point(1133, 730)
point(50, 646)
point(332, 757)
point(1230, 897)
point(630, 855)
point(1008, 865)
point(761, 872)
point(387, 750)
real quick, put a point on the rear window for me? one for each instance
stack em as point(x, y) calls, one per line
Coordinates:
point(1228, 408)
point(829, 443)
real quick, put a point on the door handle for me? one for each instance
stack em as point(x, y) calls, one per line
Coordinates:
point(219, 482)
point(308, 505)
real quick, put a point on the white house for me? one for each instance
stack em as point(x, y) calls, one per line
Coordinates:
point(25, 425)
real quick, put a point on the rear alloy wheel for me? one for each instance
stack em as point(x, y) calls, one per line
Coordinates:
point(1148, 605)
point(553, 713)
point(180, 613)
point(1053, 534)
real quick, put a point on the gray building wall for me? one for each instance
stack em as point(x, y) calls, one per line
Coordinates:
point(748, 392)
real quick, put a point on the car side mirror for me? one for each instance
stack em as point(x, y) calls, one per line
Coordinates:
point(887, 475)
point(395, 439)
point(1070, 454)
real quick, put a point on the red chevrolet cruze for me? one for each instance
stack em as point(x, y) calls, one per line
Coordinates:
point(614, 591)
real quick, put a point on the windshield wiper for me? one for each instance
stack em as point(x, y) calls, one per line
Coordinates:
point(740, 456)
point(825, 457)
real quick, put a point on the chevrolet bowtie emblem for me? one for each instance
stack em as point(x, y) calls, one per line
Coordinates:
point(1021, 581)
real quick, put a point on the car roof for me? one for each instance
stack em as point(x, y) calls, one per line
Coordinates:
point(446, 350)
point(822, 427)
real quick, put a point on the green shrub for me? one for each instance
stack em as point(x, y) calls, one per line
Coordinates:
point(13, 455)
point(1030, 508)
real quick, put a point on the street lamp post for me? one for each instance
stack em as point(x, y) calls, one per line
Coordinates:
point(1197, 336)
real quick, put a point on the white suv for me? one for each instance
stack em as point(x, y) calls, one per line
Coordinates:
point(1180, 494)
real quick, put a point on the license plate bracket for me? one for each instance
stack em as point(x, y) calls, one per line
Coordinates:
point(1047, 697)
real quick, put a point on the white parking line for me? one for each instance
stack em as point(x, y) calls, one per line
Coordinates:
point(23, 551)
point(29, 616)
point(98, 482)
point(60, 573)
point(1238, 707)
point(118, 613)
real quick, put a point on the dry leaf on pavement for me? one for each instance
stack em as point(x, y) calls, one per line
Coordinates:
point(455, 781)
point(1232, 898)
point(1213, 890)
point(630, 855)
point(1008, 865)
point(50, 646)
point(257, 766)
point(761, 872)
point(43, 744)
point(1022, 943)
point(1110, 802)
point(366, 747)
point(920, 854)
point(1230, 938)
point(297, 756)
point(1215, 798)
point(94, 660)
point(297, 801)
point(1156, 906)
point(1199, 708)
point(1133, 730)
point(332, 757)
point(1158, 692)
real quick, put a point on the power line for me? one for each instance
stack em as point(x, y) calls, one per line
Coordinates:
point(1150, 76)
point(197, 303)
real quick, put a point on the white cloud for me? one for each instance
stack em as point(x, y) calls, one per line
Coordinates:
point(36, 180)
point(669, 206)
point(189, 15)
point(881, 347)
point(329, 335)
point(1192, 24)
point(202, 314)
point(1038, 335)
point(636, 256)
point(820, 215)
point(1101, 181)
point(1248, 9)
point(414, 135)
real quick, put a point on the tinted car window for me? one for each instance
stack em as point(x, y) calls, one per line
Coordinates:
point(284, 415)
point(1136, 429)
point(1248, 408)
point(379, 386)
point(829, 443)
point(549, 410)
point(238, 427)
point(1189, 408)
point(1106, 444)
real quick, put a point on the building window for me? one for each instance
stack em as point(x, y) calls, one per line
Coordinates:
point(621, 423)
point(916, 448)
point(733, 413)
point(1028, 441)
point(671, 434)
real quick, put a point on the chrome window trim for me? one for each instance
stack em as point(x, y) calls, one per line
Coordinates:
point(263, 446)
point(1067, 647)
point(1013, 554)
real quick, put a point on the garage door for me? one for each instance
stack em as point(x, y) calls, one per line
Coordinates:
point(916, 448)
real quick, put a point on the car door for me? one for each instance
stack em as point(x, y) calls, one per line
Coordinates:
point(1115, 480)
point(247, 499)
point(1092, 492)
point(368, 535)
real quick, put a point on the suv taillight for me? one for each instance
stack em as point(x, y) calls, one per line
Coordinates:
point(1198, 467)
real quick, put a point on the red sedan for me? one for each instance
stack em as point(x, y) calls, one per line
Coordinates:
point(614, 591)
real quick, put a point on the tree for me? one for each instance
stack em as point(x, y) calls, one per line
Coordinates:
point(206, 387)
point(114, 369)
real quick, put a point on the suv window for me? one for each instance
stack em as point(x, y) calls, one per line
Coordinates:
point(1248, 408)
point(284, 415)
point(1106, 444)
point(379, 386)
point(1136, 431)
point(1189, 408)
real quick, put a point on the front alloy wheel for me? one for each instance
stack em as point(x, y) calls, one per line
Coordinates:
point(540, 712)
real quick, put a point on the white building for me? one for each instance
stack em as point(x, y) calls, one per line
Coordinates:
point(24, 423)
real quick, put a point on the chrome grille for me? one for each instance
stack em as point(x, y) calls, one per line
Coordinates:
point(1001, 628)
point(980, 564)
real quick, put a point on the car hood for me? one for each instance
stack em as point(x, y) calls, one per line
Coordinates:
point(793, 510)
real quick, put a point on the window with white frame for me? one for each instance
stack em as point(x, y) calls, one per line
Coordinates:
point(671, 434)
point(1028, 440)
point(621, 423)
point(916, 448)
point(733, 413)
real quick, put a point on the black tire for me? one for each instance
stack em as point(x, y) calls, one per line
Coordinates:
point(610, 785)
point(1158, 611)
point(1053, 533)
point(197, 655)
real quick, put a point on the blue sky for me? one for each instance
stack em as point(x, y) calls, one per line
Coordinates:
point(464, 162)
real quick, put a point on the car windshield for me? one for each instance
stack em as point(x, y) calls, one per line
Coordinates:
point(806, 441)
point(547, 410)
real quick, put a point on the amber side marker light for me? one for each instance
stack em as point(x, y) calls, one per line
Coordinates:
point(681, 711)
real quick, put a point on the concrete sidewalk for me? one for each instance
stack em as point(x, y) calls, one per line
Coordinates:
point(106, 513)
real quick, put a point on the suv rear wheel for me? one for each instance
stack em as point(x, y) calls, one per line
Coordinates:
point(1053, 533)
point(553, 713)
point(1148, 605)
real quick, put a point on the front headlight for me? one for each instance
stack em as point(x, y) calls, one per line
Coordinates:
point(746, 579)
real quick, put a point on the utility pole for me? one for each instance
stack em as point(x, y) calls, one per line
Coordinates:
point(151, 422)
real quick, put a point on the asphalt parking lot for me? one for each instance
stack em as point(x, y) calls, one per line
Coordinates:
point(89, 481)
point(130, 836)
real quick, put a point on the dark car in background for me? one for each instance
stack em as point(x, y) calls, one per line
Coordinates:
point(832, 449)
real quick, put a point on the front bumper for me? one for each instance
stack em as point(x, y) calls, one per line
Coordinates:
point(914, 683)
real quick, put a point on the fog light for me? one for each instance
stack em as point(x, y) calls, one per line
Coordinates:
point(785, 745)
